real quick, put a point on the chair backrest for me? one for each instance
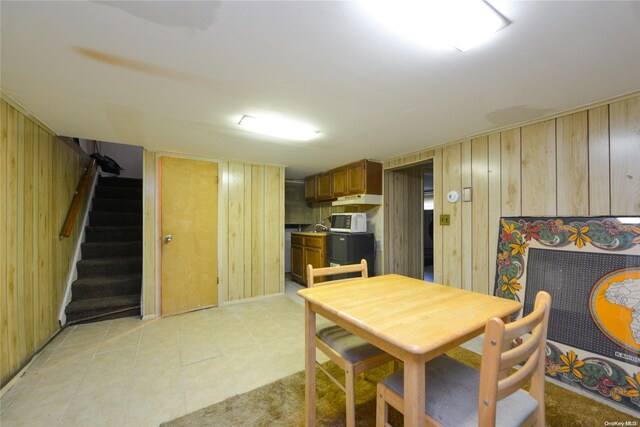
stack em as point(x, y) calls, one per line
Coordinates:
point(312, 273)
point(496, 381)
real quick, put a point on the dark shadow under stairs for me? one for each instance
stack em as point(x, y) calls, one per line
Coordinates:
point(110, 271)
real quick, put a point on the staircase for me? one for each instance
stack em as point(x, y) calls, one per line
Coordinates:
point(110, 271)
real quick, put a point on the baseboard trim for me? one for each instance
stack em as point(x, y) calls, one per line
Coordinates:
point(7, 386)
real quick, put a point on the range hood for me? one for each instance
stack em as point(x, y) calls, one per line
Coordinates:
point(358, 199)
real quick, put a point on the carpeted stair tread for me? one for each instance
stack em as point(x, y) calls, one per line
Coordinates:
point(113, 234)
point(100, 287)
point(82, 309)
point(115, 205)
point(91, 250)
point(112, 181)
point(118, 192)
point(98, 267)
point(115, 218)
point(110, 272)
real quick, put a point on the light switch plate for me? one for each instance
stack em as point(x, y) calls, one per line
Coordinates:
point(466, 194)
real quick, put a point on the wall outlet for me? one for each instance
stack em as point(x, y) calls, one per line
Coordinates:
point(445, 219)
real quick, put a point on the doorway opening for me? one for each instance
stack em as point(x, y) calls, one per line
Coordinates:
point(427, 221)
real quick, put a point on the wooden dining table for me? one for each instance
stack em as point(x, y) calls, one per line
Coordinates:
point(413, 320)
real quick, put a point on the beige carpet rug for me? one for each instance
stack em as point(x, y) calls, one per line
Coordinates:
point(281, 403)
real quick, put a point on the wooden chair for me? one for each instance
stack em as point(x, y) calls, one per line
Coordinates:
point(350, 352)
point(459, 395)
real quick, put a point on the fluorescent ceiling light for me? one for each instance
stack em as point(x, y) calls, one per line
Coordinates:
point(279, 127)
point(462, 24)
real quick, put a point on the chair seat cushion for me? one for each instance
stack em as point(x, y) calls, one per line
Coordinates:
point(451, 395)
point(349, 346)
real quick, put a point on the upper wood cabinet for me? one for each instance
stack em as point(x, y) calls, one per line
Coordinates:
point(339, 182)
point(357, 174)
point(310, 187)
point(323, 186)
point(361, 177)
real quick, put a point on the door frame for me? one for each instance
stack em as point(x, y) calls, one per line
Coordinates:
point(410, 262)
point(152, 233)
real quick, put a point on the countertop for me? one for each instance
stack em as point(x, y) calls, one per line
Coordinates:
point(310, 233)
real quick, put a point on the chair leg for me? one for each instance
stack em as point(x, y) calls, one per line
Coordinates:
point(382, 409)
point(350, 387)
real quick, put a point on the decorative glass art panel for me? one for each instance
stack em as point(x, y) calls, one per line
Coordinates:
point(591, 268)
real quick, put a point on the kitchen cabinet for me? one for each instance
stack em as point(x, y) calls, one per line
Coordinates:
point(356, 174)
point(307, 248)
point(310, 187)
point(361, 177)
point(339, 185)
point(323, 186)
point(364, 177)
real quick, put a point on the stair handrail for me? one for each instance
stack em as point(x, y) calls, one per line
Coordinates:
point(79, 197)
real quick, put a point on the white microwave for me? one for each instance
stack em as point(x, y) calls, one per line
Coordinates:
point(349, 222)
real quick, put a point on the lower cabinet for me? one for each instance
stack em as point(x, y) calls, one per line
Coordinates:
point(307, 248)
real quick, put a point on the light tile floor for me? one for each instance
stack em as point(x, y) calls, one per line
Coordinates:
point(129, 372)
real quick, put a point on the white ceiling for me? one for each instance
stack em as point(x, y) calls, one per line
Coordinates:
point(175, 76)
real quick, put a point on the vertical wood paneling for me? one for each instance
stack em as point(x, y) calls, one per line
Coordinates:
point(573, 164)
point(400, 263)
point(257, 227)
point(494, 200)
point(413, 229)
point(452, 234)
point(236, 231)
point(253, 265)
point(438, 200)
point(150, 237)
point(251, 230)
point(20, 288)
point(39, 173)
point(404, 198)
point(248, 231)
point(466, 214)
point(389, 196)
point(479, 256)
point(52, 200)
point(223, 231)
point(539, 169)
point(510, 172)
point(624, 125)
point(281, 221)
point(43, 247)
point(5, 365)
point(54, 203)
point(599, 196)
point(11, 254)
point(30, 177)
point(274, 228)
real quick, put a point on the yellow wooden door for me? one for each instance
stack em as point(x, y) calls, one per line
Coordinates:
point(189, 224)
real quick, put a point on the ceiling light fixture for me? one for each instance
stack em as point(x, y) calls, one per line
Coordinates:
point(278, 127)
point(462, 24)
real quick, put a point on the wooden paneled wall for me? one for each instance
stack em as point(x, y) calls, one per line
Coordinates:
point(151, 236)
point(253, 197)
point(403, 227)
point(250, 230)
point(38, 175)
point(583, 163)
